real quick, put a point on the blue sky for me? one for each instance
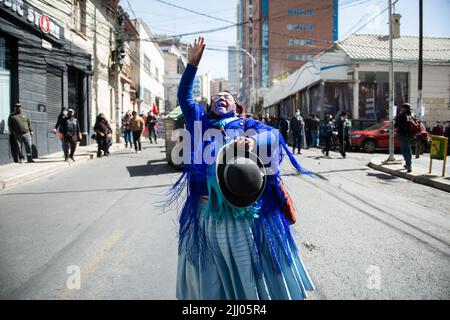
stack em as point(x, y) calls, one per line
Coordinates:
point(163, 18)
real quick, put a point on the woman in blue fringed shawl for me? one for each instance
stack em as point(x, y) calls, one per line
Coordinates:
point(227, 252)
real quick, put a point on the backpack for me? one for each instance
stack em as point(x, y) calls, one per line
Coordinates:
point(413, 125)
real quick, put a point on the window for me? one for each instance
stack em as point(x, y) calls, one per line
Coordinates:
point(147, 96)
point(157, 73)
point(299, 42)
point(147, 65)
point(300, 57)
point(5, 84)
point(307, 12)
point(79, 15)
point(300, 27)
point(374, 93)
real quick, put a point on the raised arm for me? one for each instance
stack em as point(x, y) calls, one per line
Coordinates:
point(191, 109)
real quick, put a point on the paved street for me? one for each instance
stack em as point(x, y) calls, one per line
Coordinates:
point(363, 234)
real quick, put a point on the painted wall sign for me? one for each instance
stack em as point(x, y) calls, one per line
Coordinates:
point(34, 17)
point(44, 23)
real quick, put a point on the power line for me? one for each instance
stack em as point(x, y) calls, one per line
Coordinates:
point(192, 11)
point(384, 10)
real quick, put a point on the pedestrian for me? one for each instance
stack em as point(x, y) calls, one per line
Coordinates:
point(126, 129)
point(343, 129)
point(447, 133)
point(284, 128)
point(58, 127)
point(151, 123)
point(268, 120)
point(308, 135)
point(70, 129)
point(137, 124)
point(447, 130)
point(404, 135)
point(296, 127)
point(20, 127)
point(329, 128)
point(103, 135)
point(315, 130)
point(438, 129)
point(228, 252)
point(239, 112)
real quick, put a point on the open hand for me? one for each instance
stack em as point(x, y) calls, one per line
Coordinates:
point(196, 51)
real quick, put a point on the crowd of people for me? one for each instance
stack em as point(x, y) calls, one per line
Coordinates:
point(307, 132)
point(333, 133)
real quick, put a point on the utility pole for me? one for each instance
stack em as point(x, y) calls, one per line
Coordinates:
point(253, 76)
point(419, 89)
point(391, 88)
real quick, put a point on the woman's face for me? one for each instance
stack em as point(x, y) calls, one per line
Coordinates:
point(222, 103)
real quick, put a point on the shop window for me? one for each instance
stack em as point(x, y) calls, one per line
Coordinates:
point(5, 84)
point(374, 93)
point(79, 15)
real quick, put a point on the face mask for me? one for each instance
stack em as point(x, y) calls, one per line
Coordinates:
point(65, 113)
point(297, 114)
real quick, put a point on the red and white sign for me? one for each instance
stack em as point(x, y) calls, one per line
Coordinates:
point(44, 23)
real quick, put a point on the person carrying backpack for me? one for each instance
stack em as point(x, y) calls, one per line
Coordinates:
point(406, 126)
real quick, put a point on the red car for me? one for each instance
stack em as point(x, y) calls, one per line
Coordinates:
point(377, 137)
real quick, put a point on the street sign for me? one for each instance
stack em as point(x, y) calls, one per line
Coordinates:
point(438, 150)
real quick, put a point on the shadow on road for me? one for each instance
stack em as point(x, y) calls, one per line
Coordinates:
point(381, 176)
point(152, 168)
point(85, 191)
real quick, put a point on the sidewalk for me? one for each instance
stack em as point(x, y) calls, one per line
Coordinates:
point(420, 169)
point(13, 174)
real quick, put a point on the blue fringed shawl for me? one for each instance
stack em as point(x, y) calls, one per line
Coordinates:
point(271, 231)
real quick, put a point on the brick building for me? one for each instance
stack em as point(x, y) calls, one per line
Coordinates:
point(281, 36)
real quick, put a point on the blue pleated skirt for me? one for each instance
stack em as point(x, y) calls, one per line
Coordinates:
point(228, 271)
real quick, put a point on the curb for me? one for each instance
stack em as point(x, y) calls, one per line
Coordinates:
point(18, 180)
point(417, 179)
point(59, 166)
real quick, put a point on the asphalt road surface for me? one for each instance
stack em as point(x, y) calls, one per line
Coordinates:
point(98, 231)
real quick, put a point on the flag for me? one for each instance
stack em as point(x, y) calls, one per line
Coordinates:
point(155, 109)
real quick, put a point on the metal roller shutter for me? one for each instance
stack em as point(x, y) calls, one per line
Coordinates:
point(54, 95)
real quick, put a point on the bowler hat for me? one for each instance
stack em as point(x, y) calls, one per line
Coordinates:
point(240, 176)
point(407, 106)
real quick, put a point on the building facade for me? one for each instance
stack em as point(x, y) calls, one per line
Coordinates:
point(282, 36)
point(151, 70)
point(45, 64)
point(175, 64)
point(219, 85)
point(233, 69)
point(353, 76)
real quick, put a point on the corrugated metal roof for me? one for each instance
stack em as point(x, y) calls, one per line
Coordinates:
point(363, 47)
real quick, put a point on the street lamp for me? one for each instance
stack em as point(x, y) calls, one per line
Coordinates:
point(253, 75)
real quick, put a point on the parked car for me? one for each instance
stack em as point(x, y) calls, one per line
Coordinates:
point(376, 137)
